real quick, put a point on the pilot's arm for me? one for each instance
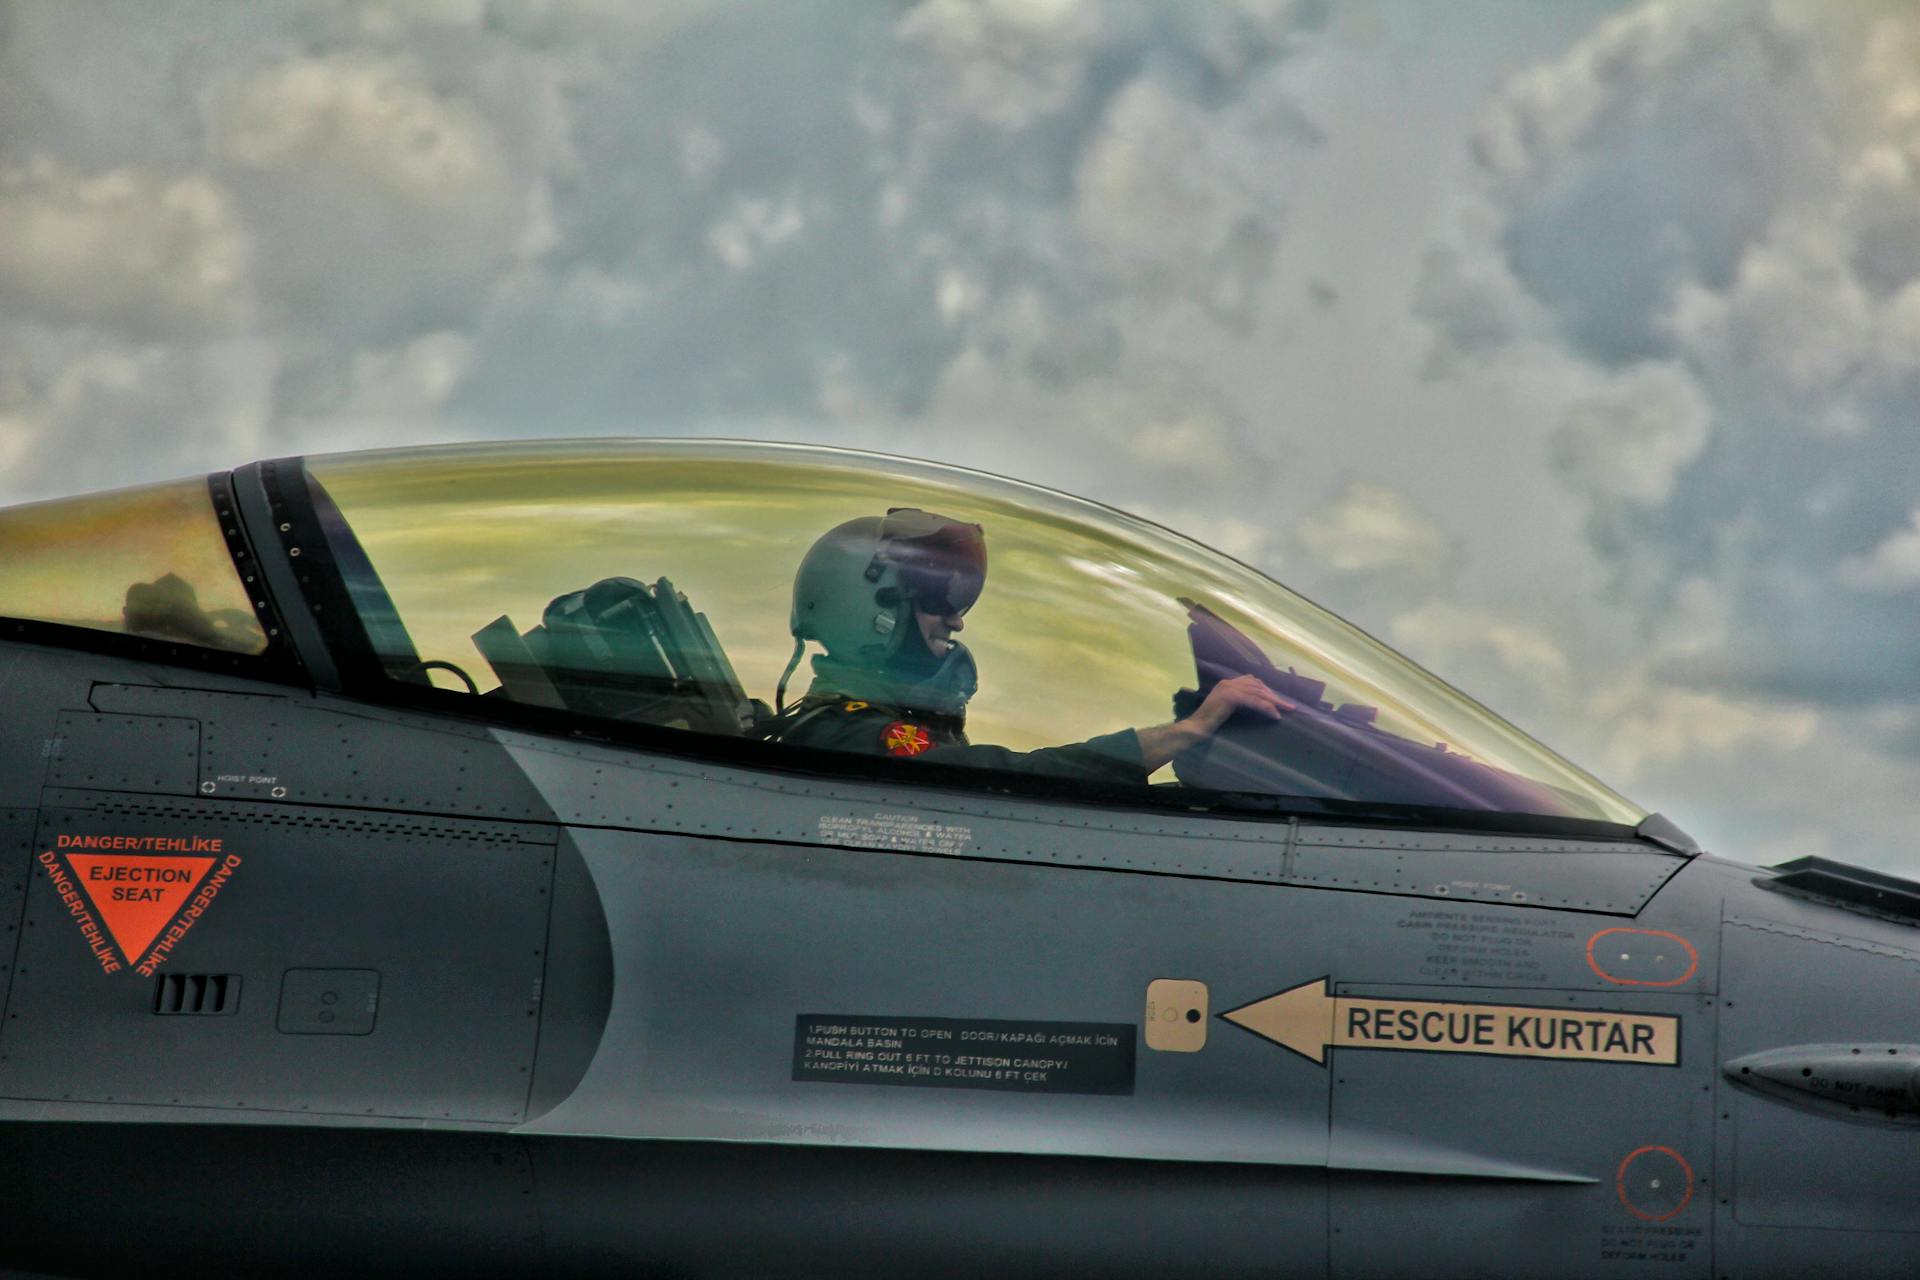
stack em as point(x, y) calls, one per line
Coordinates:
point(837, 724)
point(1111, 757)
point(1161, 743)
point(1126, 758)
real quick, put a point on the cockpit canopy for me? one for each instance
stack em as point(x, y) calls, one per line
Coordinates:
point(651, 583)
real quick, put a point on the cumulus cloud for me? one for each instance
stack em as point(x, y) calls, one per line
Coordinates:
point(1249, 541)
point(1480, 652)
point(362, 124)
point(1631, 439)
point(1372, 528)
point(1635, 729)
point(409, 383)
point(89, 412)
point(1713, 209)
point(1005, 62)
point(752, 227)
point(388, 19)
point(329, 192)
point(1761, 778)
point(1169, 123)
point(1137, 439)
point(1711, 97)
point(1894, 565)
point(1025, 186)
point(1170, 210)
point(1471, 304)
point(1793, 335)
point(1725, 180)
point(1664, 726)
point(130, 249)
point(1782, 794)
point(389, 199)
point(1695, 238)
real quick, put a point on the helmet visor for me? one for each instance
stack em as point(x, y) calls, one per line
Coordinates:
point(942, 562)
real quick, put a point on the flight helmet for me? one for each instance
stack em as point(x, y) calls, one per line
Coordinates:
point(855, 595)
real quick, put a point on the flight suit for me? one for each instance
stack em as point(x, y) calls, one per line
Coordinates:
point(849, 724)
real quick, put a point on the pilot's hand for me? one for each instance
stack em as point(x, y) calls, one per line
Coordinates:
point(1163, 742)
point(1242, 693)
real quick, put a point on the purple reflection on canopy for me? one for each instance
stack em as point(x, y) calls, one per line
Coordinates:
point(1334, 752)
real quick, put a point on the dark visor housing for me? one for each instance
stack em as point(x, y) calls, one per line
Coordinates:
point(942, 562)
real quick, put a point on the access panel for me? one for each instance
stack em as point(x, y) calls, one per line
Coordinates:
point(16, 843)
point(1520, 1132)
point(261, 958)
point(869, 1001)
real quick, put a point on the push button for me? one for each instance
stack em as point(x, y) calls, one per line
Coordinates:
point(329, 1002)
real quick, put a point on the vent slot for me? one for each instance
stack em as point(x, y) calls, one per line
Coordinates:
point(196, 993)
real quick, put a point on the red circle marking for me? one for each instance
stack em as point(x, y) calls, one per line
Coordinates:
point(1693, 959)
point(1620, 1184)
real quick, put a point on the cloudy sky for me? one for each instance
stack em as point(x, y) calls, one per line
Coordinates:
point(1572, 348)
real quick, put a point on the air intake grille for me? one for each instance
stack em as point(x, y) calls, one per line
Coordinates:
point(1852, 888)
point(197, 993)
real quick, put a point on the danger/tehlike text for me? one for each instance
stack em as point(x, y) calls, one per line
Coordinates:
point(144, 844)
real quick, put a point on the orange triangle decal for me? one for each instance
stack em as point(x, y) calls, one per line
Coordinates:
point(136, 896)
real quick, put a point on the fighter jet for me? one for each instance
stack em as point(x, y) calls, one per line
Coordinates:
point(698, 858)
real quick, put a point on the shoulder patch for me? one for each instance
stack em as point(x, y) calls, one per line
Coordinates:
point(902, 738)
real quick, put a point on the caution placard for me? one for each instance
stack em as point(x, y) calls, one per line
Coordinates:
point(964, 1053)
point(135, 896)
point(125, 900)
point(1309, 1021)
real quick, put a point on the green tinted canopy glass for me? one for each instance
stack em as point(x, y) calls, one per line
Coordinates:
point(488, 561)
point(149, 562)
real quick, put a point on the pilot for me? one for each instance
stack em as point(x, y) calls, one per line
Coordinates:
point(884, 597)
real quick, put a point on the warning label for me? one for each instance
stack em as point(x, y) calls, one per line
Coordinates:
point(142, 844)
point(77, 908)
point(188, 917)
point(125, 900)
point(963, 1053)
point(1643, 1244)
point(906, 832)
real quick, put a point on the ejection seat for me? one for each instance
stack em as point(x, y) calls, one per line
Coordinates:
point(622, 650)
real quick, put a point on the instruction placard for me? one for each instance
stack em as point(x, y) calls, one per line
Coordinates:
point(964, 1053)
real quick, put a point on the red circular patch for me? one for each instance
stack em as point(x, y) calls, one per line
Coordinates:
point(903, 739)
point(1655, 1183)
